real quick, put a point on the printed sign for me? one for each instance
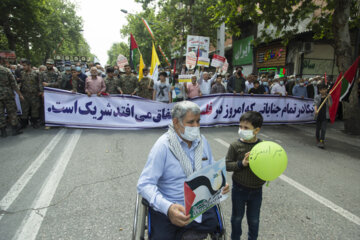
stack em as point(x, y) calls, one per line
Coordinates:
point(217, 61)
point(202, 189)
point(190, 60)
point(121, 61)
point(225, 67)
point(64, 108)
point(198, 44)
point(203, 62)
point(184, 78)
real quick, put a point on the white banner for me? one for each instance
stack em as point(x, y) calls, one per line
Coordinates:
point(63, 108)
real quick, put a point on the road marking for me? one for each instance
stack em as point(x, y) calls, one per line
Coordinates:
point(32, 222)
point(261, 134)
point(16, 189)
point(343, 212)
point(348, 215)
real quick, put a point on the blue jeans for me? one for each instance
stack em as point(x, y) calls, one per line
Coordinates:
point(251, 198)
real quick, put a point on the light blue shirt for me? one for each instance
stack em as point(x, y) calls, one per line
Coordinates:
point(161, 182)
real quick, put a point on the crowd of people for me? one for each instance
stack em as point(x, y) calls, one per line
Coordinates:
point(94, 80)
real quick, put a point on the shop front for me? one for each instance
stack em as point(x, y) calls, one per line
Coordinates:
point(271, 59)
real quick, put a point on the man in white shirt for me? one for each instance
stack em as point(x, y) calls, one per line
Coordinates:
point(279, 87)
point(249, 84)
point(205, 81)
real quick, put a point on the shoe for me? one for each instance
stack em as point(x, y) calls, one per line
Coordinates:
point(16, 130)
point(3, 132)
point(321, 144)
point(47, 128)
point(23, 123)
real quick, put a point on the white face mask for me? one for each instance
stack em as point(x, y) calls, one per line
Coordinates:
point(246, 134)
point(191, 133)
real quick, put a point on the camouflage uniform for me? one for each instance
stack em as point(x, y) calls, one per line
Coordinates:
point(144, 90)
point(30, 89)
point(65, 81)
point(7, 98)
point(128, 84)
point(112, 85)
point(51, 77)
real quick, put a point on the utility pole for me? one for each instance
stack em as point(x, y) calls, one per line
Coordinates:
point(220, 46)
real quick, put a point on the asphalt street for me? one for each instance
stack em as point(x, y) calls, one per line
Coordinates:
point(81, 183)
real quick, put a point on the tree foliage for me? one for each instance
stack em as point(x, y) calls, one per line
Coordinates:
point(281, 18)
point(37, 28)
point(116, 49)
point(171, 21)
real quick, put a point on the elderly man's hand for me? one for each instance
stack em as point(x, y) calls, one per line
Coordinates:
point(226, 189)
point(176, 214)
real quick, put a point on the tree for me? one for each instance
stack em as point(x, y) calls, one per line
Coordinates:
point(330, 19)
point(37, 28)
point(175, 19)
point(116, 49)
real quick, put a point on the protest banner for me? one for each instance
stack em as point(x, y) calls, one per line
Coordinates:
point(190, 60)
point(64, 108)
point(202, 189)
point(217, 61)
point(184, 78)
point(225, 67)
point(203, 61)
point(121, 61)
point(198, 44)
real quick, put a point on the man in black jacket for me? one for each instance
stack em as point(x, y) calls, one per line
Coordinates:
point(236, 83)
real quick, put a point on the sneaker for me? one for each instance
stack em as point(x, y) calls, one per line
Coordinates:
point(47, 128)
point(321, 144)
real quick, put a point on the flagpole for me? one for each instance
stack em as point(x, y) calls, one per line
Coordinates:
point(327, 97)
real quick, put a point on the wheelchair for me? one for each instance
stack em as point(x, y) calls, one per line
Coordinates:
point(142, 223)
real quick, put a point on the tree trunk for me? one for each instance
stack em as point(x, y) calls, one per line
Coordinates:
point(10, 36)
point(344, 60)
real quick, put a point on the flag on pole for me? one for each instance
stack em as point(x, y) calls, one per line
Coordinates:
point(162, 53)
point(148, 28)
point(141, 67)
point(335, 95)
point(155, 62)
point(349, 80)
point(133, 45)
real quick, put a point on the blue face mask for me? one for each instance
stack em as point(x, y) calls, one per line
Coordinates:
point(281, 82)
point(67, 68)
point(168, 74)
point(265, 84)
point(78, 69)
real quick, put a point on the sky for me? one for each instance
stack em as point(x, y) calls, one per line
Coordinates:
point(102, 22)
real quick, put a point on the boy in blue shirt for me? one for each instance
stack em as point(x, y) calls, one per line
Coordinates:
point(247, 187)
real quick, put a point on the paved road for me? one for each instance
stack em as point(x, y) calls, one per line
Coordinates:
point(81, 184)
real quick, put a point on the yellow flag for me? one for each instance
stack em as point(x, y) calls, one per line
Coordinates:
point(154, 60)
point(141, 67)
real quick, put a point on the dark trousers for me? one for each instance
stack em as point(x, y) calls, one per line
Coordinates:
point(321, 129)
point(251, 198)
point(163, 229)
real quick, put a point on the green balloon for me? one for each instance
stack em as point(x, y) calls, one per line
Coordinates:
point(267, 160)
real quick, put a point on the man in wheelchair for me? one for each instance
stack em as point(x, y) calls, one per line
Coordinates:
point(176, 154)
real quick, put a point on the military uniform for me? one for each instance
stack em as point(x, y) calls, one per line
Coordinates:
point(128, 84)
point(112, 85)
point(143, 89)
point(7, 99)
point(66, 82)
point(30, 89)
point(52, 77)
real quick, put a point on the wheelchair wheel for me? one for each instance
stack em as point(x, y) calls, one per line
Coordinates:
point(139, 223)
